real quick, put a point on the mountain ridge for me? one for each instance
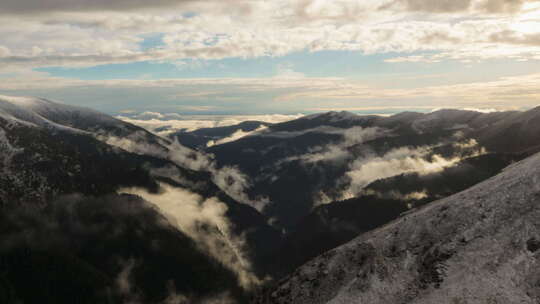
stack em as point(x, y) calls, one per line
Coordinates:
point(434, 254)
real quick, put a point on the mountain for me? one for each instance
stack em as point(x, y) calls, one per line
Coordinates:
point(138, 218)
point(108, 249)
point(332, 176)
point(479, 245)
point(204, 137)
point(330, 225)
point(57, 157)
point(56, 116)
point(315, 159)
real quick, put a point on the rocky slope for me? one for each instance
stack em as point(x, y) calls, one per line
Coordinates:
point(478, 246)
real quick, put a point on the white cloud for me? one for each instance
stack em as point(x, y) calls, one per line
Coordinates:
point(460, 6)
point(299, 94)
point(399, 161)
point(335, 152)
point(73, 34)
point(4, 51)
point(229, 179)
point(190, 213)
point(84, 33)
point(194, 122)
point(235, 136)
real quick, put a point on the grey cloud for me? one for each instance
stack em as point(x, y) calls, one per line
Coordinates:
point(338, 11)
point(41, 7)
point(503, 6)
point(441, 6)
point(454, 6)
point(439, 37)
point(87, 60)
point(512, 37)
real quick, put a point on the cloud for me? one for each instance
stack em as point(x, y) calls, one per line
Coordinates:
point(402, 160)
point(502, 6)
point(7, 152)
point(396, 195)
point(294, 95)
point(124, 282)
point(192, 214)
point(89, 33)
point(149, 115)
point(32, 7)
point(337, 152)
point(177, 298)
point(485, 110)
point(514, 37)
point(189, 123)
point(135, 142)
point(441, 6)
point(4, 51)
point(235, 136)
point(68, 227)
point(502, 93)
point(229, 179)
point(455, 6)
point(188, 158)
point(200, 32)
point(235, 183)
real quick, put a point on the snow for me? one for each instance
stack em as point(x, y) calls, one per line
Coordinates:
point(46, 113)
point(27, 102)
point(16, 114)
point(39, 112)
point(471, 247)
point(7, 152)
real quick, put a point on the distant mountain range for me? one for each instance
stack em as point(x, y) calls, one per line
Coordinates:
point(332, 176)
point(134, 217)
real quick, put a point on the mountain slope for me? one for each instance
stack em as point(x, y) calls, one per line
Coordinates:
point(111, 249)
point(39, 112)
point(203, 137)
point(330, 225)
point(315, 159)
point(480, 245)
point(43, 161)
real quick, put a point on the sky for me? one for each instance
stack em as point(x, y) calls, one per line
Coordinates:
point(213, 57)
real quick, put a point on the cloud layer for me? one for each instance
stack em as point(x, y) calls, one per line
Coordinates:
point(86, 33)
point(191, 34)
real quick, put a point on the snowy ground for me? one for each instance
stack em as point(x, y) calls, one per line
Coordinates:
point(478, 246)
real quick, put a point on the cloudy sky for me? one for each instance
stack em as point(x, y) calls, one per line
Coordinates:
point(274, 56)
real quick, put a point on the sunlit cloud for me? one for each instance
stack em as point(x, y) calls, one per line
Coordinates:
point(199, 35)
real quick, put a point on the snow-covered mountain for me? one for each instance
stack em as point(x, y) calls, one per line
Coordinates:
point(39, 112)
point(251, 204)
point(46, 113)
point(56, 160)
point(478, 246)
